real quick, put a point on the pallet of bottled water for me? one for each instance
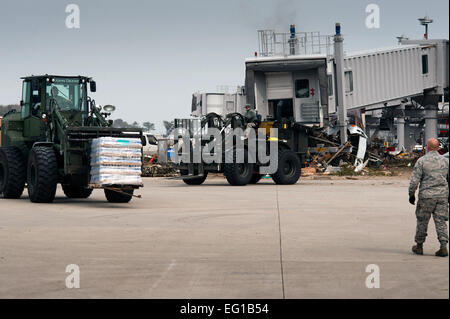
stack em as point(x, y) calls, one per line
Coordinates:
point(116, 161)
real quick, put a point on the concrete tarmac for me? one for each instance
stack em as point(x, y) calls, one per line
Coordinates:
point(315, 239)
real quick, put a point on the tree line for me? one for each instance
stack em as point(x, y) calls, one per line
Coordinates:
point(6, 108)
point(147, 126)
point(120, 123)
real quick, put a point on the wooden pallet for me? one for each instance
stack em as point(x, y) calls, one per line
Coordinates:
point(114, 186)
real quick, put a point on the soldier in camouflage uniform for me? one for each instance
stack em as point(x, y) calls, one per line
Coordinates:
point(431, 172)
point(250, 116)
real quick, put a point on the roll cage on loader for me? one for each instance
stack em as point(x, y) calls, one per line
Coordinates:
point(49, 141)
point(237, 173)
point(296, 146)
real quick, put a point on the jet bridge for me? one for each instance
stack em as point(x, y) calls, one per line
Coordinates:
point(297, 76)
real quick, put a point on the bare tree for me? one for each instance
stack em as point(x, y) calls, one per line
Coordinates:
point(168, 126)
point(148, 126)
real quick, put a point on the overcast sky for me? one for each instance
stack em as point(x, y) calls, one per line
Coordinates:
point(148, 57)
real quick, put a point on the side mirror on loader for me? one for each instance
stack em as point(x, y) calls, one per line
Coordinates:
point(93, 86)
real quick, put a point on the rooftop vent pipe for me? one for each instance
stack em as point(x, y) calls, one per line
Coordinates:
point(292, 41)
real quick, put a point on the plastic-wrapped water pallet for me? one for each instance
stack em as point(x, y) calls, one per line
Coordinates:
point(111, 151)
point(116, 142)
point(116, 161)
point(113, 170)
point(114, 179)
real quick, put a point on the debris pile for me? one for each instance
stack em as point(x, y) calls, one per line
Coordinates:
point(376, 163)
point(158, 170)
point(308, 171)
point(342, 160)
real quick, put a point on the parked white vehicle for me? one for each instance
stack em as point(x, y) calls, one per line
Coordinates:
point(151, 146)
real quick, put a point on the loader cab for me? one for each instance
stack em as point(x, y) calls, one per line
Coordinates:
point(40, 94)
point(31, 108)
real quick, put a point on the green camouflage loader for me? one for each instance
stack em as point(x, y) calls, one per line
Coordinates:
point(48, 141)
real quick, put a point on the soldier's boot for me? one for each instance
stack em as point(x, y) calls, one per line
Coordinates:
point(443, 252)
point(418, 249)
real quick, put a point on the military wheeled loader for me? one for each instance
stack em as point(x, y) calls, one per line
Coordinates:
point(49, 140)
point(291, 145)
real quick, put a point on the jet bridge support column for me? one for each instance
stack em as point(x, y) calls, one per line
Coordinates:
point(401, 127)
point(339, 78)
point(431, 122)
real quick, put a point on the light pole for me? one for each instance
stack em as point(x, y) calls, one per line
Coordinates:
point(425, 22)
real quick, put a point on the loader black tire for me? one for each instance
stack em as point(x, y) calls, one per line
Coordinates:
point(42, 175)
point(289, 168)
point(76, 191)
point(12, 172)
point(237, 174)
point(256, 177)
point(194, 181)
point(116, 197)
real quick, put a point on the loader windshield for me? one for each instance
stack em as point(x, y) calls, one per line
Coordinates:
point(68, 93)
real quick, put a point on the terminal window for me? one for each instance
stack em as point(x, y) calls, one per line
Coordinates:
point(302, 89)
point(424, 64)
point(348, 81)
point(330, 85)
